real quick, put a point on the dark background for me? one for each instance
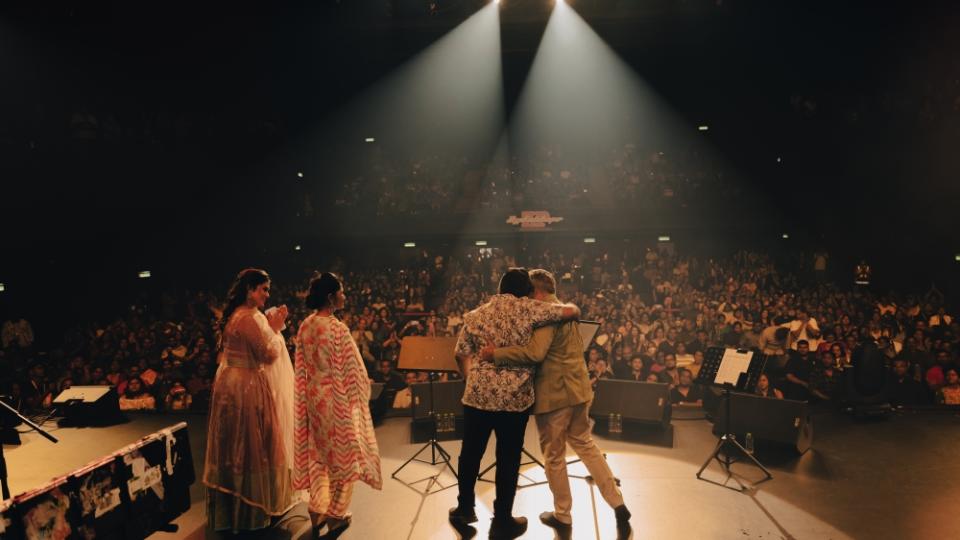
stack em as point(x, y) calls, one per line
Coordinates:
point(197, 178)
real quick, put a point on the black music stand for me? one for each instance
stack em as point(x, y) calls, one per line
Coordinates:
point(419, 353)
point(4, 488)
point(731, 369)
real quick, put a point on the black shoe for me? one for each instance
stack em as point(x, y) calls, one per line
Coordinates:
point(550, 520)
point(466, 532)
point(335, 527)
point(459, 515)
point(508, 527)
point(624, 530)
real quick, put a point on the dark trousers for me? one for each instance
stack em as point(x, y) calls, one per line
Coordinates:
point(510, 428)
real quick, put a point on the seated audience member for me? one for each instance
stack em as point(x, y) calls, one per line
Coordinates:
point(670, 373)
point(904, 389)
point(949, 393)
point(734, 338)
point(404, 397)
point(637, 370)
point(685, 394)
point(199, 385)
point(178, 399)
point(656, 361)
point(765, 390)
point(36, 391)
point(697, 364)
point(132, 372)
point(115, 374)
point(700, 343)
point(937, 374)
point(798, 369)
point(390, 378)
point(136, 398)
point(839, 353)
point(824, 379)
point(684, 359)
point(600, 371)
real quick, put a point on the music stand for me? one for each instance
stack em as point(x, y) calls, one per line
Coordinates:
point(731, 369)
point(419, 353)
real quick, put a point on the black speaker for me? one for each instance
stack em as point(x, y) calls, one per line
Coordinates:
point(643, 402)
point(447, 398)
point(783, 421)
point(83, 406)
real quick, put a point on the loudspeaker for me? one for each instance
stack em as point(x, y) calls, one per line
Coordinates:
point(89, 406)
point(644, 402)
point(783, 421)
point(447, 398)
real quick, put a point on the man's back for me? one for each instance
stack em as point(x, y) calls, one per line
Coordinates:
point(562, 379)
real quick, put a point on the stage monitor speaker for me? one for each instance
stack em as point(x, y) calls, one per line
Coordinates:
point(447, 398)
point(783, 421)
point(644, 402)
point(89, 406)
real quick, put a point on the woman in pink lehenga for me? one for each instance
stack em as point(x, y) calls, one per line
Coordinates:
point(249, 438)
point(334, 444)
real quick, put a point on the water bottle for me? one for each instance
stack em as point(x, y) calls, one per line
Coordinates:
point(615, 423)
point(749, 443)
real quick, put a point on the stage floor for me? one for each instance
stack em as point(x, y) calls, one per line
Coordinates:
point(877, 480)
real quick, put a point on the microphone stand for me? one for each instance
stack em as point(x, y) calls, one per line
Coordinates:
point(3, 461)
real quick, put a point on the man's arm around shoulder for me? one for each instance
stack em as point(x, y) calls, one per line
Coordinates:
point(534, 352)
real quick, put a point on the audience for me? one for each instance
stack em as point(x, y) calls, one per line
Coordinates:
point(685, 394)
point(659, 311)
point(136, 398)
point(765, 390)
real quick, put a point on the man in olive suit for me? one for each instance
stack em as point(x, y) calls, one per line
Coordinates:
point(562, 402)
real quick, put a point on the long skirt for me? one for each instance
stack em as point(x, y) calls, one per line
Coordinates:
point(246, 468)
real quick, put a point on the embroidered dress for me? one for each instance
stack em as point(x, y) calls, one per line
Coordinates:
point(246, 468)
point(335, 443)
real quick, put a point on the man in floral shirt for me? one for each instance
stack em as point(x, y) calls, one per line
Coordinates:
point(499, 399)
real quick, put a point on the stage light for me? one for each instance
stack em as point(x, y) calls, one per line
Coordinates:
point(143, 274)
point(663, 238)
point(299, 175)
point(785, 236)
point(703, 128)
point(296, 247)
point(589, 240)
point(480, 243)
point(409, 244)
point(955, 257)
point(369, 139)
point(4, 287)
point(779, 160)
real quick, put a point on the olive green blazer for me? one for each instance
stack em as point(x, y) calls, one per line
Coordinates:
point(561, 379)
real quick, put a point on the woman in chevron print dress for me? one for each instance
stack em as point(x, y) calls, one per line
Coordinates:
point(334, 443)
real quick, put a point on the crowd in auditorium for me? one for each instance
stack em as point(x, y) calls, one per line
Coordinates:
point(659, 312)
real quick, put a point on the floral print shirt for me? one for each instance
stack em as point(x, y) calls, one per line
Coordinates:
point(505, 320)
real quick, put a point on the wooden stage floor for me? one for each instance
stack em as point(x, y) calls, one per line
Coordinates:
point(878, 480)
